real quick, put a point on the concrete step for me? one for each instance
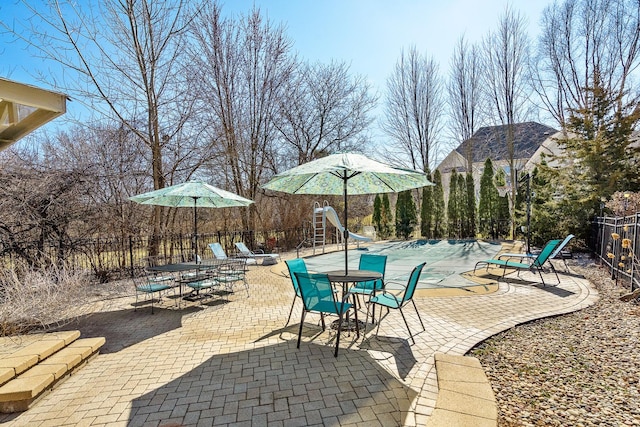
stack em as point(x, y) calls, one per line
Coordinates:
point(465, 396)
point(53, 363)
point(26, 357)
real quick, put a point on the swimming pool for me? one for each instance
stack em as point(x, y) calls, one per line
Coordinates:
point(445, 259)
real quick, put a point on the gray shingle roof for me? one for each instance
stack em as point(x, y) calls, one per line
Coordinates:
point(490, 141)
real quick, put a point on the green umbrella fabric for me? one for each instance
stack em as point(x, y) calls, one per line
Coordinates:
point(364, 175)
point(192, 194)
point(346, 173)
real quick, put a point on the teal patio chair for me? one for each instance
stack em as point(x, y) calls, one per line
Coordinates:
point(536, 265)
point(295, 266)
point(397, 301)
point(232, 271)
point(318, 297)
point(151, 285)
point(530, 256)
point(372, 262)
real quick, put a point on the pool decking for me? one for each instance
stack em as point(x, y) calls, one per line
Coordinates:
point(235, 363)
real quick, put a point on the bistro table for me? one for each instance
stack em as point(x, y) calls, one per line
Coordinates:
point(352, 276)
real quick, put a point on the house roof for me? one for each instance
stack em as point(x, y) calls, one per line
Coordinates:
point(24, 108)
point(490, 141)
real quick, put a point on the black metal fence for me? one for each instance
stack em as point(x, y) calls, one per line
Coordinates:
point(615, 241)
point(115, 257)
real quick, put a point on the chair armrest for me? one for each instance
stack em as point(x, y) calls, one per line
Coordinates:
point(393, 295)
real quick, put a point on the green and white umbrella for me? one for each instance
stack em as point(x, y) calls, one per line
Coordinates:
point(346, 173)
point(195, 194)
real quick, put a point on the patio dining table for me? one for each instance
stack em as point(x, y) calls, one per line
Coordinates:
point(347, 277)
point(184, 267)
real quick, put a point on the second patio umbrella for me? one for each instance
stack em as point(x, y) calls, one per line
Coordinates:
point(195, 194)
point(346, 173)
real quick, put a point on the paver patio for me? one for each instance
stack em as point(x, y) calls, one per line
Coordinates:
point(235, 363)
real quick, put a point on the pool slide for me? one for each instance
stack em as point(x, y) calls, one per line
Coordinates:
point(331, 215)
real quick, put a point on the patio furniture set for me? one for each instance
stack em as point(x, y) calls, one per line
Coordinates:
point(196, 280)
point(329, 293)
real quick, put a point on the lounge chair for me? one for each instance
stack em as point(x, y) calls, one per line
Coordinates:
point(220, 254)
point(556, 253)
point(536, 264)
point(245, 252)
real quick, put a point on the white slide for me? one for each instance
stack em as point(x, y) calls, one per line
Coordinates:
point(331, 215)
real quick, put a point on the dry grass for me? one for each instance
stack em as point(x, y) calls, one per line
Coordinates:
point(40, 299)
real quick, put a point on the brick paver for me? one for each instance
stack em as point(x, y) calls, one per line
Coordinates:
point(235, 362)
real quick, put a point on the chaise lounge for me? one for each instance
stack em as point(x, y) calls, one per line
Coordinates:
point(536, 264)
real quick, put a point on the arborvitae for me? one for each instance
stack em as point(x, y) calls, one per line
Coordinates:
point(426, 211)
point(503, 214)
point(470, 212)
point(452, 206)
point(487, 207)
point(439, 219)
point(386, 218)
point(462, 205)
point(377, 214)
point(406, 215)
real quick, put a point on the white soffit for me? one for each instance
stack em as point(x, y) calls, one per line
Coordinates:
point(25, 108)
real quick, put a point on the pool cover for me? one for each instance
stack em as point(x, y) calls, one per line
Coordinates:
point(446, 260)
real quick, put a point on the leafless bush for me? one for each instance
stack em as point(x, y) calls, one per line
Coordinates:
point(39, 299)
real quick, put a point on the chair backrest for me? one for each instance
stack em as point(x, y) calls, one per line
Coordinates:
point(316, 292)
point(217, 250)
point(296, 266)
point(546, 252)
point(373, 262)
point(413, 282)
point(561, 246)
point(244, 250)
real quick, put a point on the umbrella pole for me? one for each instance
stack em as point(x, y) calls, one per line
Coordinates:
point(195, 229)
point(346, 232)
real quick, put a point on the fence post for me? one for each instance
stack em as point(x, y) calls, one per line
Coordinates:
point(633, 248)
point(131, 255)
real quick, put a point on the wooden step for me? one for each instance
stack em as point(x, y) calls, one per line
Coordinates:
point(19, 393)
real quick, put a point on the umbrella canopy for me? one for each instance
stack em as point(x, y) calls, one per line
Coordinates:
point(195, 194)
point(346, 173)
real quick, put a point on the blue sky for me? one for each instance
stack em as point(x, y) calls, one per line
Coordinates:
point(369, 35)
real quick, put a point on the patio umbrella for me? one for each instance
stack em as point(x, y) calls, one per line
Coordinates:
point(346, 173)
point(196, 194)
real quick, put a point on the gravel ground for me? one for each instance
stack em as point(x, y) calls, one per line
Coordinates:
point(580, 369)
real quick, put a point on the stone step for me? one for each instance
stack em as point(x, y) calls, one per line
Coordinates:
point(23, 390)
point(19, 361)
point(465, 396)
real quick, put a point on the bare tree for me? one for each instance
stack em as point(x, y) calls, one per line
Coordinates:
point(584, 43)
point(40, 205)
point(465, 94)
point(114, 160)
point(242, 66)
point(324, 109)
point(505, 53)
point(414, 109)
point(121, 59)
